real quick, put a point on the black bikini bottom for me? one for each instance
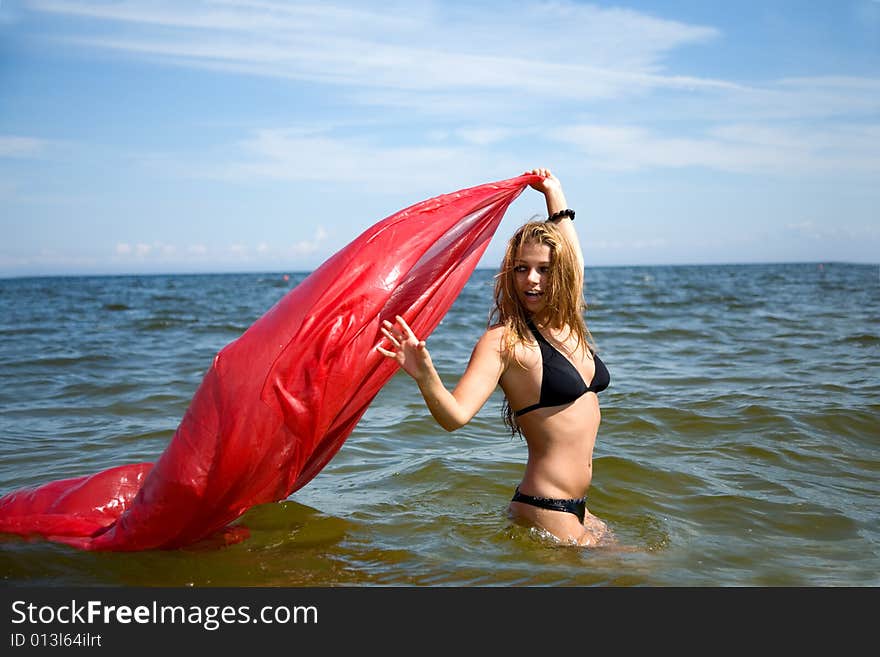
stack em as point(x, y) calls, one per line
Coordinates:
point(576, 506)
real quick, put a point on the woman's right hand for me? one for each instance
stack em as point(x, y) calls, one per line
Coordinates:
point(409, 352)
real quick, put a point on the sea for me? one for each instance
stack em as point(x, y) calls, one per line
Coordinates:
point(739, 444)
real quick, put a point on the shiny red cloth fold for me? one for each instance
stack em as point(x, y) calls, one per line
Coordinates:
point(278, 402)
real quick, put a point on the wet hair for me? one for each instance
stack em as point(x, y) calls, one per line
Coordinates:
point(563, 295)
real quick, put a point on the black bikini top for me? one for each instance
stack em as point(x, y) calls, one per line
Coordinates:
point(561, 383)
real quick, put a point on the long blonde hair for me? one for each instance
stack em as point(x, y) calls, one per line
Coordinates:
point(563, 295)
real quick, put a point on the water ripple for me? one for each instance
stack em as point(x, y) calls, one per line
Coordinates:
point(739, 443)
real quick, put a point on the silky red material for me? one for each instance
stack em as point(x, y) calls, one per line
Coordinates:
point(278, 403)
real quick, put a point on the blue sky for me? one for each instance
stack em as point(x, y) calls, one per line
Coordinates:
point(262, 135)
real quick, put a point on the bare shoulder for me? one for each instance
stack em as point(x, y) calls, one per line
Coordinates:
point(486, 359)
point(492, 338)
point(495, 344)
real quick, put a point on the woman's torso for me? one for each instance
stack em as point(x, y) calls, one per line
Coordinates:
point(560, 438)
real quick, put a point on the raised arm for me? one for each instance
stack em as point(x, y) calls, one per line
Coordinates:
point(555, 198)
point(451, 410)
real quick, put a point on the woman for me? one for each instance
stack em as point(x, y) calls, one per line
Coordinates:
point(539, 352)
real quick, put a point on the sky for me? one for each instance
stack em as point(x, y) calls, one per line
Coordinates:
point(262, 135)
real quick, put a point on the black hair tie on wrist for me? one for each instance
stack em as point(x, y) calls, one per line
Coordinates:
point(568, 212)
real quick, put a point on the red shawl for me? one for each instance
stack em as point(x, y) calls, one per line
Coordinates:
point(278, 402)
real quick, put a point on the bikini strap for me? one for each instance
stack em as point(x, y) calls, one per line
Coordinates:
point(535, 332)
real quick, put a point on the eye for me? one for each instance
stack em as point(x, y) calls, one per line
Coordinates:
point(519, 269)
point(544, 270)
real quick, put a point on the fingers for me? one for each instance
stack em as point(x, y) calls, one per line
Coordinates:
point(391, 337)
point(392, 333)
point(402, 338)
point(408, 332)
point(399, 335)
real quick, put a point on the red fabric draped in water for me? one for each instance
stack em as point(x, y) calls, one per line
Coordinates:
point(278, 403)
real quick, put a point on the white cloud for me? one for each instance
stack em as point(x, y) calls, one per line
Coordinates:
point(163, 253)
point(142, 251)
point(484, 136)
point(434, 48)
point(744, 148)
point(802, 97)
point(13, 146)
point(277, 154)
point(812, 230)
point(472, 64)
point(308, 247)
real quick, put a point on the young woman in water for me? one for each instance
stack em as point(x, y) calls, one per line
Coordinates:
point(539, 352)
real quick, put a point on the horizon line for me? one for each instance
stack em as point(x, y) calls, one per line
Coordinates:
point(283, 272)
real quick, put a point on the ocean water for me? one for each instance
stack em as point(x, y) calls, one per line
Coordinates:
point(740, 441)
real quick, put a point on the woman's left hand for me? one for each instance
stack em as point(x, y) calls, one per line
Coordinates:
point(548, 183)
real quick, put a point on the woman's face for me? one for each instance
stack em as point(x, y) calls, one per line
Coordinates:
point(531, 268)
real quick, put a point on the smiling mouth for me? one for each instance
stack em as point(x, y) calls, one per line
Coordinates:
point(533, 294)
